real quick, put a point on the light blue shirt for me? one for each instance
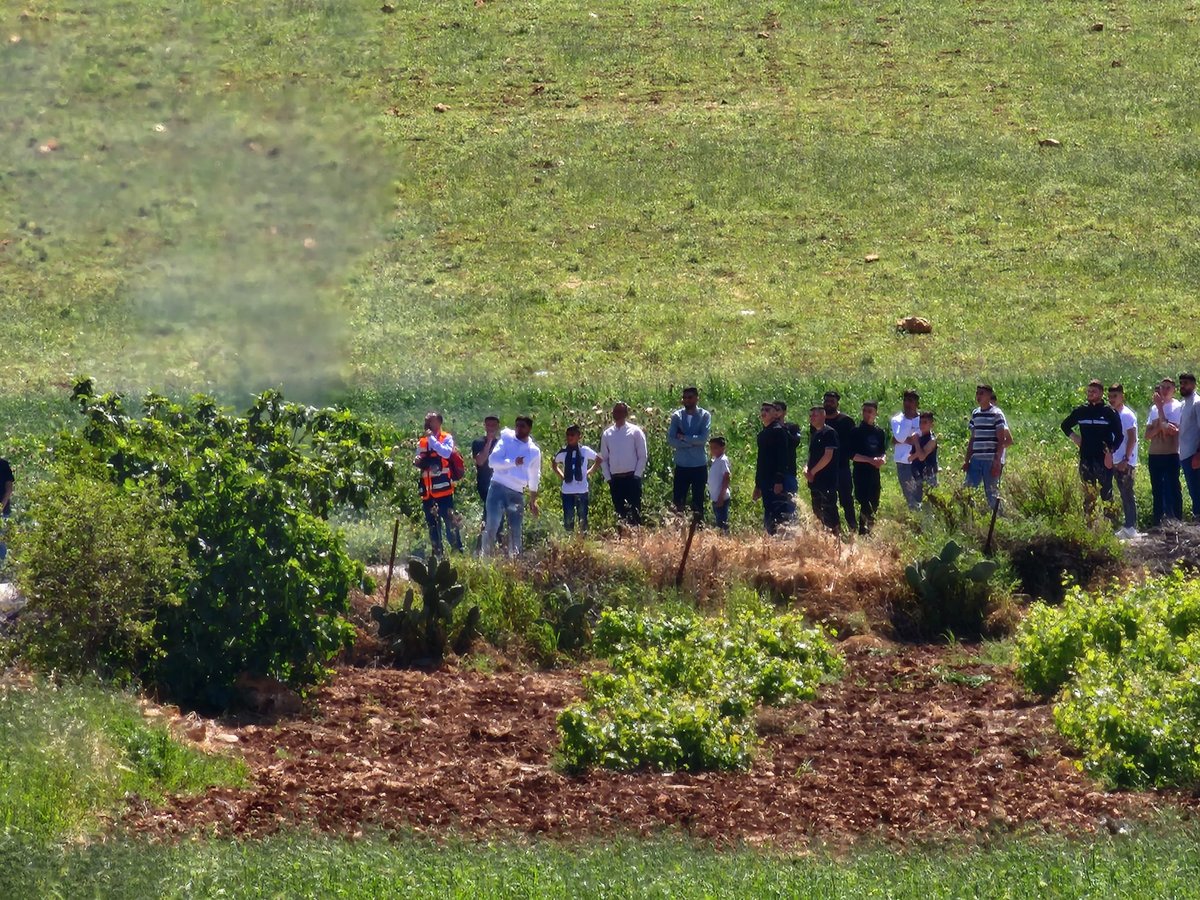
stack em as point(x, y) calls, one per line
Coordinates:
point(689, 449)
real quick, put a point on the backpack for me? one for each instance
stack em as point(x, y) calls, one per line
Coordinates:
point(458, 468)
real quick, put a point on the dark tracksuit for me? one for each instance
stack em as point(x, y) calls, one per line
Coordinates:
point(775, 449)
point(1099, 431)
point(843, 425)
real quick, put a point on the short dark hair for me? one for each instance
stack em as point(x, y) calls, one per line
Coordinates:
point(780, 405)
point(528, 420)
point(717, 439)
point(436, 415)
point(985, 387)
point(926, 414)
point(1096, 383)
point(491, 418)
point(873, 404)
point(910, 394)
point(571, 429)
point(769, 404)
point(1116, 388)
point(691, 390)
point(1186, 375)
point(834, 394)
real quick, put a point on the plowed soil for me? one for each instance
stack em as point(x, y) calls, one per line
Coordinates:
point(894, 750)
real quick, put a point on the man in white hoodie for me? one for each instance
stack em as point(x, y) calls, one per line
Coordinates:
point(516, 464)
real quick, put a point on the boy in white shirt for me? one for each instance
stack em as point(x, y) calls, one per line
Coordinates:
point(574, 464)
point(718, 482)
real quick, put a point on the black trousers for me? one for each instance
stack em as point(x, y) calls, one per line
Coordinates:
point(689, 478)
point(825, 506)
point(626, 491)
point(845, 494)
point(866, 490)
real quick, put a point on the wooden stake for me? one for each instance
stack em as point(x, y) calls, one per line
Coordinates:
point(387, 588)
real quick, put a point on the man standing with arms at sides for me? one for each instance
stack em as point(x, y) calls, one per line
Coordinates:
point(868, 446)
point(791, 484)
point(687, 436)
point(821, 473)
point(1189, 439)
point(1099, 435)
point(906, 429)
point(481, 449)
point(7, 483)
point(516, 465)
point(437, 487)
point(1162, 432)
point(1125, 461)
point(622, 462)
point(770, 470)
point(843, 425)
point(985, 447)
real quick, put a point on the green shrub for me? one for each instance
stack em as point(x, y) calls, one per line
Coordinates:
point(947, 596)
point(682, 689)
point(1125, 664)
point(97, 564)
point(245, 500)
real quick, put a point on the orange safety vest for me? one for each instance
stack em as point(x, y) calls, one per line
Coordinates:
point(435, 480)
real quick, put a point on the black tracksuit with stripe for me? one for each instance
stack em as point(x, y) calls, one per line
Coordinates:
point(1099, 430)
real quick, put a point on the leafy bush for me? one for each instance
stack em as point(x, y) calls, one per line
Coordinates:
point(245, 500)
point(96, 565)
point(682, 689)
point(946, 596)
point(1126, 667)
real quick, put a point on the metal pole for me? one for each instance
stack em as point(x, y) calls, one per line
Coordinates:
point(387, 588)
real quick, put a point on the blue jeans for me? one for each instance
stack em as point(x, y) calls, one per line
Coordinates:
point(910, 487)
point(979, 471)
point(503, 503)
point(721, 516)
point(442, 508)
point(1191, 477)
point(1165, 488)
point(575, 506)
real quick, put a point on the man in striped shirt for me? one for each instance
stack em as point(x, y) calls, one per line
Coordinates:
point(985, 449)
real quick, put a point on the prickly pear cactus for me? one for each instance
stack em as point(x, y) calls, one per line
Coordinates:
point(421, 636)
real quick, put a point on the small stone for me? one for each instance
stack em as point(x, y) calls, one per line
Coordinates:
point(440, 107)
point(1097, 26)
point(871, 257)
point(1049, 142)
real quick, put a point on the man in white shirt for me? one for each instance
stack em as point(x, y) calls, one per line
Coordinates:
point(622, 462)
point(1189, 439)
point(906, 429)
point(1125, 461)
point(516, 464)
point(1162, 433)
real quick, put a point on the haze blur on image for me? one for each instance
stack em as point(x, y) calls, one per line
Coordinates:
point(219, 220)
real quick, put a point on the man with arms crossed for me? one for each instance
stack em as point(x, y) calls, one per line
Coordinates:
point(906, 429)
point(1162, 433)
point(1189, 439)
point(868, 449)
point(1125, 461)
point(687, 436)
point(516, 463)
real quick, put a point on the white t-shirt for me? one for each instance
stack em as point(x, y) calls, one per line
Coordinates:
point(1128, 420)
point(1172, 412)
point(717, 471)
point(576, 487)
point(902, 430)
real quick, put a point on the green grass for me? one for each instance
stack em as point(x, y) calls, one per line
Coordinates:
point(1148, 863)
point(622, 194)
point(70, 752)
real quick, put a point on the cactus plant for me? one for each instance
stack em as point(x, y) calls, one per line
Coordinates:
point(950, 597)
point(421, 637)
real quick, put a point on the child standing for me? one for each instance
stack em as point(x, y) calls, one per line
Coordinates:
point(574, 464)
point(924, 456)
point(718, 482)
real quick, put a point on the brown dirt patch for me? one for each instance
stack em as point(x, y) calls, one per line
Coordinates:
point(892, 751)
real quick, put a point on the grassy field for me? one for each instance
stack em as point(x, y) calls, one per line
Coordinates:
point(230, 195)
point(1153, 863)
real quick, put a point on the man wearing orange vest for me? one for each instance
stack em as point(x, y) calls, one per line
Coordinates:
point(437, 485)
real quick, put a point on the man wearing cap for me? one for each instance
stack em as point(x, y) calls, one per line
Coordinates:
point(985, 447)
point(843, 426)
point(1189, 439)
point(1099, 435)
point(1162, 434)
point(906, 430)
point(622, 462)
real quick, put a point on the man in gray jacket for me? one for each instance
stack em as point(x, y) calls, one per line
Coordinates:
point(688, 437)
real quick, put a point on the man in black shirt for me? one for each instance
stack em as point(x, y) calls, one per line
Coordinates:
point(481, 449)
point(1099, 435)
point(770, 471)
point(822, 470)
point(844, 426)
point(791, 484)
point(868, 452)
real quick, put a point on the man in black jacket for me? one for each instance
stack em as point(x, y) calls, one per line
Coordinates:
point(1099, 435)
point(775, 448)
point(844, 426)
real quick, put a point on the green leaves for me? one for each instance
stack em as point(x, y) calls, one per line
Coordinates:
point(682, 689)
point(1125, 665)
